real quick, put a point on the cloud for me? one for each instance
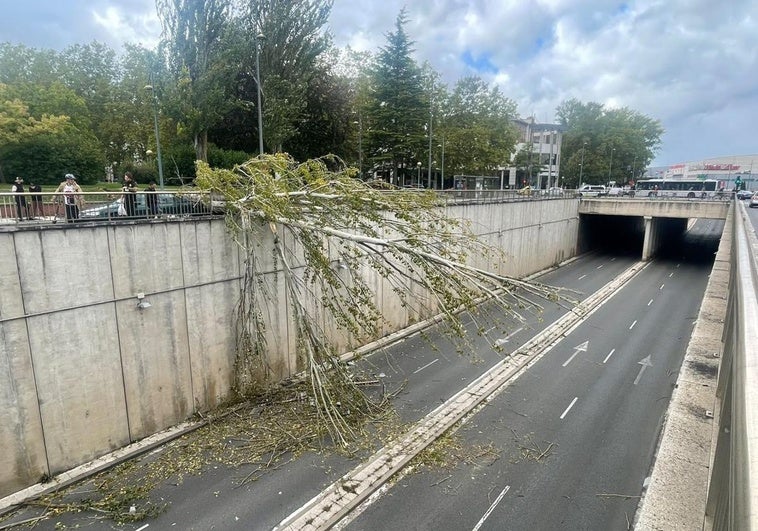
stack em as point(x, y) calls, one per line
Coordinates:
point(688, 63)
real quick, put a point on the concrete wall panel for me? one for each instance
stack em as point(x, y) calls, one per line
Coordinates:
point(212, 340)
point(22, 460)
point(155, 355)
point(80, 385)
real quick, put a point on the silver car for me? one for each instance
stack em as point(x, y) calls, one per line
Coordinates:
point(754, 200)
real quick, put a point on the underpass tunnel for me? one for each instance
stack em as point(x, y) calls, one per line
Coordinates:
point(647, 237)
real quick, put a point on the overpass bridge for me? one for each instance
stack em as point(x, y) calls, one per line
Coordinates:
point(662, 217)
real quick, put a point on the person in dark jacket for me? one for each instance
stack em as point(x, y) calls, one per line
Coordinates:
point(130, 194)
point(18, 189)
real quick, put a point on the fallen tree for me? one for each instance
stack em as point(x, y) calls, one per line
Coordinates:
point(330, 234)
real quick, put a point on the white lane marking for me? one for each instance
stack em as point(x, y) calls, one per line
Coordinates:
point(580, 278)
point(577, 349)
point(492, 508)
point(490, 329)
point(504, 340)
point(571, 358)
point(632, 325)
point(143, 527)
point(600, 266)
point(671, 275)
point(609, 355)
point(570, 406)
point(425, 366)
point(651, 302)
point(645, 362)
point(613, 259)
point(661, 286)
point(677, 266)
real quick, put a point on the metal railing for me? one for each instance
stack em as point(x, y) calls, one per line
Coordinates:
point(43, 208)
point(733, 486)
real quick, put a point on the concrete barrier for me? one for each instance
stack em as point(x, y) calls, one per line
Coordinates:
point(111, 333)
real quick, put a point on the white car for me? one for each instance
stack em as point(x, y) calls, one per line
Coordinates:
point(754, 200)
point(592, 190)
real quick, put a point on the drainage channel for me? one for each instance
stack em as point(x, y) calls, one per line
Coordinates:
point(341, 497)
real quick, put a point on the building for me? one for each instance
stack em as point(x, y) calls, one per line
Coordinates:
point(729, 169)
point(544, 141)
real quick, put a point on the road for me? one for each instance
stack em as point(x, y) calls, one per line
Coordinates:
point(570, 442)
point(592, 406)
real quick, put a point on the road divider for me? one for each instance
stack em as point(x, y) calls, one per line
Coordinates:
point(337, 500)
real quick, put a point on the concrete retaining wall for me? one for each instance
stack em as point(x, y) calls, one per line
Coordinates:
point(84, 371)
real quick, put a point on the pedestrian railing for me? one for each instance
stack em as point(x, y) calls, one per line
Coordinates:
point(41, 208)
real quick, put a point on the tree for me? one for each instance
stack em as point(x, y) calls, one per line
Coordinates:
point(199, 62)
point(291, 42)
point(480, 136)
point(398, 110)
point(43, 145)
point(594, 132)
point(331, 235)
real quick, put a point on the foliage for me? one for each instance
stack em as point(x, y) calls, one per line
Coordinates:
point(397, 112)
point(331, 235)
point(193, 37)
point(478, 131)
point(49, 153)
point(618, 143)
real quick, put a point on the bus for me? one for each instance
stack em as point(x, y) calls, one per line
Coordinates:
point(688, 188)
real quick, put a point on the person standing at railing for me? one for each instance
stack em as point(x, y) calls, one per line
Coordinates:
point(35, 203)
point(130, 194)
point(70, 191)
point(151, 200)
point(18, 189)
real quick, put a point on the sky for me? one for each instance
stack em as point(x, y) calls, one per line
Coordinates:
point(691, 64)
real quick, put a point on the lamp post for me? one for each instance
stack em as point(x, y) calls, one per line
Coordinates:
point(151, 88)
point(258, 41)
point(442, 177)
point(610, 166)
point(418, 177)
point(581, 164)
point(360, 145)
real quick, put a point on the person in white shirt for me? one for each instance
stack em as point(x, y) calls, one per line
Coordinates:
point(72, 198)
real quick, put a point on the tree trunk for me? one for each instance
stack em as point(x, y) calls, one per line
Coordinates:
point(201, 146)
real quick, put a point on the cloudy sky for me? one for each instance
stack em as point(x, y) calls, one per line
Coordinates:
point(692, 64)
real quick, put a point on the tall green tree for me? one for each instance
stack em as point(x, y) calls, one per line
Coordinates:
point(291, 39)
point(605, 144)
point(193, 38)
point(480, 135)
point(399, 108)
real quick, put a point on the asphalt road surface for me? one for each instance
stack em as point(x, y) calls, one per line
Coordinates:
point(569, 442)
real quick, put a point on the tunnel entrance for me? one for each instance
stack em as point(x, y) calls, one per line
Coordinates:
point(625, 236)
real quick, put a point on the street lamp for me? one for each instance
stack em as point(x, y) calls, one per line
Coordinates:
point(442, 177)
point(581, 164)
point(610, 166)
point(258, 41)
point(418, 177)
point(360, 144)
point(157, 131)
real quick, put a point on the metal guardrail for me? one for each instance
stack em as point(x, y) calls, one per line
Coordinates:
point(45, 208)
point(733, 488)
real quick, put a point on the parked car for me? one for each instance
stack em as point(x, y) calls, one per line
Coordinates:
point(553, 191)
point(592, 190)
point(168, 205)
point(754, 200)
point(745, 194)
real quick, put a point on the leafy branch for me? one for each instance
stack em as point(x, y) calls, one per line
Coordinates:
point(334, 239)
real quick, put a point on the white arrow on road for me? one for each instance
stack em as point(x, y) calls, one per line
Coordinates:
point(577, 349)
point(645, 362)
